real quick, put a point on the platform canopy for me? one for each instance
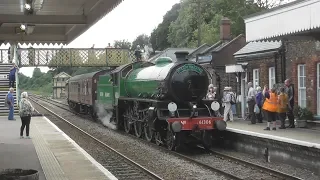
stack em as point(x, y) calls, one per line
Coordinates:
point(49, 21)
point(298, 19)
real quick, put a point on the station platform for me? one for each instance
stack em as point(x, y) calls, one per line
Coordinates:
point(49, 151)
point(298, 136)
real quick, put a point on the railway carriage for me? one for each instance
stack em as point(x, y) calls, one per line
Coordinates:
point(82, 92)
point(162, 102)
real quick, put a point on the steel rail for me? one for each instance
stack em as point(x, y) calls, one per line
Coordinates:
point(153, 175)
point(253, 165)
point(176, 154)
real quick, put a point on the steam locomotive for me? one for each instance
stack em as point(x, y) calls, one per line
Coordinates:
point(162, 101)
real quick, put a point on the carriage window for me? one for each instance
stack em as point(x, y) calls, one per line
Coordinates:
point(87, 90)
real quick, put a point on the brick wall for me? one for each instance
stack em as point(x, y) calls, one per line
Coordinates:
point(263, 64)
point(303, 52)
point(226, 79)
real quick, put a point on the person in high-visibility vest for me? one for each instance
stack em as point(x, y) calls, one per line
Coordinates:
point(270, 106)
point(282, 107)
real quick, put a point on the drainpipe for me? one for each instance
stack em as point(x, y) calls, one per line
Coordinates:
point(283, 61)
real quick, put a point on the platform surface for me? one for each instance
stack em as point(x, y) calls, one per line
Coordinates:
point(15, 152)
point(298, 136)
point(50, 151)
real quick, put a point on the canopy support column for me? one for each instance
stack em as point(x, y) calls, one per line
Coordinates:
point(16, 60)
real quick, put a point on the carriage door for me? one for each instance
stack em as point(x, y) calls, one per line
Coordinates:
point(107, 91)
point(318, 89)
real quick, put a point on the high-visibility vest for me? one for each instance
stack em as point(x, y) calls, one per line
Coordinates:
point(283, 102)
point(271, 104)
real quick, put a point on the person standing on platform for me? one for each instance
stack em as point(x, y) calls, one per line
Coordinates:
point(211, 94)
point(270, 106)
point(25, 112)
point(259, 103)
point(226, 100)
point(10, 104)
point(12, 75)
point(251, 102)
point(290, 93)
point(282, 107)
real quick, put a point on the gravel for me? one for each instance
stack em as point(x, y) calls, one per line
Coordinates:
point(157, 160)
point(298, 172)
point(169, 166)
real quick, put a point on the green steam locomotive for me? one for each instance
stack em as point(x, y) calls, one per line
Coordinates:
point(162, 101)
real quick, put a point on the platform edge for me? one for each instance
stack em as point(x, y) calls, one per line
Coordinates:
point(277, 138)
point(88, 156)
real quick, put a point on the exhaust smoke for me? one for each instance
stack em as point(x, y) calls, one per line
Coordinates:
point(105, 116)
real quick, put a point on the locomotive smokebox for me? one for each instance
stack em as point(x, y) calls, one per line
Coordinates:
point(181, 55)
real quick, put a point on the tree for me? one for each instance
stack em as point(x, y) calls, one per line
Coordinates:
point(159, 36)
point(36, 73)
point(206, 14)
point(141, 40)
point(123, 44)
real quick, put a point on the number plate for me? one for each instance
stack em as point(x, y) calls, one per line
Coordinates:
point(205, 121)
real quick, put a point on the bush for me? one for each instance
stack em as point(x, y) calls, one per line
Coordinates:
point(302, 113)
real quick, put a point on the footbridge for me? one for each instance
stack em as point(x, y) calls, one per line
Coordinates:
point(37, 57)
point(50, 22)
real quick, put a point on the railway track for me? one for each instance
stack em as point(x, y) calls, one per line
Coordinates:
point(118, 164)
point(257, 171)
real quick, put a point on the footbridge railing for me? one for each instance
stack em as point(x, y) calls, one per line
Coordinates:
point(71, 57)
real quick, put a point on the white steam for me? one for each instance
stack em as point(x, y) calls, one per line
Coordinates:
point(105, 116)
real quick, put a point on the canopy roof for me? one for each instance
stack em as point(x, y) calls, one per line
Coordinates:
point(52, 21)
point(299, 18)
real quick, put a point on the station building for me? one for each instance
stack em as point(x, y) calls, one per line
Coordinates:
point(282, 43)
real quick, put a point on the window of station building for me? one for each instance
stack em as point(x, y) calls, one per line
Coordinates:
point(302, 93)
point(272, 77)
point(256, 76)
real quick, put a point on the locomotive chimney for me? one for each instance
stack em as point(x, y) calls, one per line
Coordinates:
point(181, 55)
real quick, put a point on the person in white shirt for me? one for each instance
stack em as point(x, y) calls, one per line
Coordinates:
point(211, 92)
point(251, 99)
point(227, 104)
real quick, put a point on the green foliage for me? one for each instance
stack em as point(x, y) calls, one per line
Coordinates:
point(159, 36)
point(124, 44)
point(303, 113)
point(206, 14)
point(41, 82)
point(141, 40)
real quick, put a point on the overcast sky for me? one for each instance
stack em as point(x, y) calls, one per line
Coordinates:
point(127, 21)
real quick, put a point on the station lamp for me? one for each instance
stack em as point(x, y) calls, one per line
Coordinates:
point(27, 6)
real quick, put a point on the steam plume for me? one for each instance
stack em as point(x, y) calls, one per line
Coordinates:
point(105, 116)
